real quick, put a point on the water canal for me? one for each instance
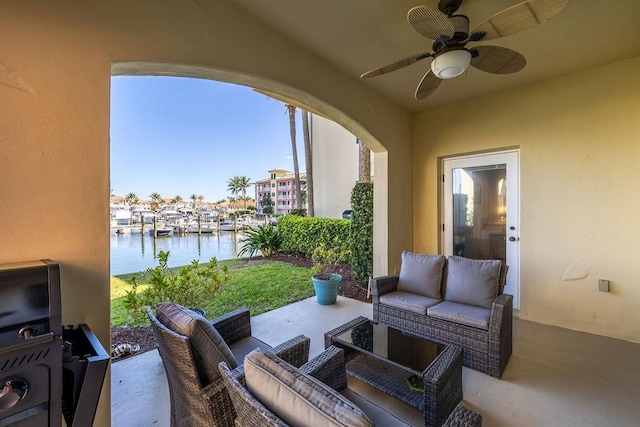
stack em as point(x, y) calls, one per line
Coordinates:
point(133, 252)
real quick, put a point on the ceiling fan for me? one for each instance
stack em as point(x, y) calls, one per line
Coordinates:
point(451, 34)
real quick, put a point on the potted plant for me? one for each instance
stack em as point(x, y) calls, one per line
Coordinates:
point(325, 281)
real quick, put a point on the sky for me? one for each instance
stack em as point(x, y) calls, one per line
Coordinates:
point(180, 136)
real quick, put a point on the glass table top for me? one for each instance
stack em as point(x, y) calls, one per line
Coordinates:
point(413, 352)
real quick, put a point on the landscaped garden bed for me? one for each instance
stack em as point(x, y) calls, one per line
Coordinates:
point(142, 335)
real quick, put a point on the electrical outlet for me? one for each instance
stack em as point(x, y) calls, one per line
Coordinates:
point(603, 285)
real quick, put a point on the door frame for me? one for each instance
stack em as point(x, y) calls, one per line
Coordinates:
point(511, 157)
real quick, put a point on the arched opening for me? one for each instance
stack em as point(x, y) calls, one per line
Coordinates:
point(303, 100)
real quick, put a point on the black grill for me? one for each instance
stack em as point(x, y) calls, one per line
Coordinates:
point(35, 351)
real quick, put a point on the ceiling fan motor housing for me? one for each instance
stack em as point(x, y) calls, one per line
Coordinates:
point(451, 63)
point(449, 7)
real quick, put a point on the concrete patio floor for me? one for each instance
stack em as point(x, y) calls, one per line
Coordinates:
point(556, 377)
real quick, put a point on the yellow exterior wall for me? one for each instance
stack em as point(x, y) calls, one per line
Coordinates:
point(55, 68)
point(579, 179)
point(337, 151)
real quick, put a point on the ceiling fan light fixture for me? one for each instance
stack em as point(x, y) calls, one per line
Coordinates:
point(451, 64)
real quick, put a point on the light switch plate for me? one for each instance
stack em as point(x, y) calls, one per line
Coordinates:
point(603, 285)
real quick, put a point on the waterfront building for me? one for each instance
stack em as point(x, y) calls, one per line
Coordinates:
point(280, 188)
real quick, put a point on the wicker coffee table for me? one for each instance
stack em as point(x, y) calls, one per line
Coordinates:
point(387, 359)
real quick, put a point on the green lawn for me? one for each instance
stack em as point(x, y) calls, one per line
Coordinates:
point(259, 285)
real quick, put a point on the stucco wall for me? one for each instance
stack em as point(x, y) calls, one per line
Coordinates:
point(336, 151)
point(55, 67)
point(580, 171)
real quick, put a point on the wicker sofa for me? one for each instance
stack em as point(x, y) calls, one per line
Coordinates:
point(451, 301)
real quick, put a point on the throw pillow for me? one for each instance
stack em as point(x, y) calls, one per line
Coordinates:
point(297, 398)
point(421, 274)
point(472, 281)
point(207, 346)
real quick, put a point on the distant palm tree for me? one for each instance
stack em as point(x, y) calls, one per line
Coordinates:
point(243, 184)
point(200, 198)
point(232, 200)
point(156, 199)
point(267, 204)
point(233, 186)
point(131, 199)
point(176, 200)
point(194, 197)
point(296, 170)
point(308, 164)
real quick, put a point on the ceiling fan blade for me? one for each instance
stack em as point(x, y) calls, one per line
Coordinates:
point(428, 84)
point(396, 65)
point(497, 59)
point(520, 17)
point(429, 22)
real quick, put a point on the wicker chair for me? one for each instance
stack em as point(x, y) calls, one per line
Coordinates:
point(196, 404)
point(328, 368)
point(463, 417)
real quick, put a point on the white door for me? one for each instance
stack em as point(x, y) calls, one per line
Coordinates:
point(481, 211)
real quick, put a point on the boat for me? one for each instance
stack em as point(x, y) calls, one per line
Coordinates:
point(119, 215)
point(204, 228)
point(229, 226)
point(162, 231)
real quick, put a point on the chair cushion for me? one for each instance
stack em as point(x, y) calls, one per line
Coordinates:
point(463, 314)
point(296, 398)
point(421, 274)
point(472, 281)
point(208, 347)
point(408, 301)
point(246, 345)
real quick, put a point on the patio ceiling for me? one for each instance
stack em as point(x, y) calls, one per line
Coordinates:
point(358, 35)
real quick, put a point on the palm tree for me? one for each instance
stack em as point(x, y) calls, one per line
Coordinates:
point(156, 199)
point(131, 199)
point(308, 163)
point(176, 200)
point(232, 200)
point(296, 170)
point(233, 186)
point(267, 204)
point(364, 162)
point(243, 184)
point(194, 197)
point(200, 198)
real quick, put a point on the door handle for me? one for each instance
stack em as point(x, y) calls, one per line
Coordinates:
point(513, 239)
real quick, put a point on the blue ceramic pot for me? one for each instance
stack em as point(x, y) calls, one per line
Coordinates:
point(327, 290)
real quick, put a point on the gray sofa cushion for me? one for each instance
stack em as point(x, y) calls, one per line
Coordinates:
point(463, 314)
point(207, 346)
point(408, 301)
point(421, 274)
point(472, 281)
point(297, 398)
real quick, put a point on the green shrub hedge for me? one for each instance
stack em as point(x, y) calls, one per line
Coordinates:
point(361, 237)
point(303, 234)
